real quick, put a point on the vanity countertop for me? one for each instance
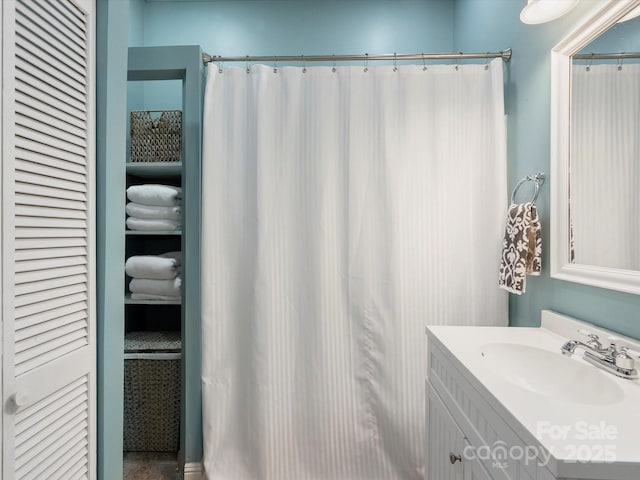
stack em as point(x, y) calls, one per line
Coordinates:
point(586, 418)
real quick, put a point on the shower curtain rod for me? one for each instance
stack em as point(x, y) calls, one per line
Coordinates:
point(504, 54)
point(606, 56)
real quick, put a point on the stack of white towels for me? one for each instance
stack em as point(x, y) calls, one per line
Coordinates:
point(154, 207)
point(155, 277)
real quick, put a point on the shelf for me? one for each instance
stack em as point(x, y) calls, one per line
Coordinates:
point(153, 232)
point(129, 301)
point(154, 169)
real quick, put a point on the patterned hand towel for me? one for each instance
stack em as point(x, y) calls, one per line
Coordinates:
point(521, 247)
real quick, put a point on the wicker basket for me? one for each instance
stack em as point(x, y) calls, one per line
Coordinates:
point(152, 392)
point(156, 138)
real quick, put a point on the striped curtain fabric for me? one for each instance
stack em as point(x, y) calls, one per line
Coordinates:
point(342, 212)
point(604, 166)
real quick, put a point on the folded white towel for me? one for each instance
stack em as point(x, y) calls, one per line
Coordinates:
point(148, 296)
point(167, 288)
point(152, 212)
point(152, 194)
point(159, 267)
point(152, 224)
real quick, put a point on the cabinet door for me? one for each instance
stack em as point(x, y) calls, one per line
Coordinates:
point(445, 441)
point(48, 238)
point(474, 470)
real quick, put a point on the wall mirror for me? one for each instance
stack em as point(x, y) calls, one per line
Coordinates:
point(595, 150)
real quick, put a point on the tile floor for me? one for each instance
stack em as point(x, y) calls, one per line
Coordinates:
point(150, 466)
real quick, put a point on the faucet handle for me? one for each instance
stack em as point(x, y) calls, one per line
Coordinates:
point(624, 360)
point(593, 338)
point(625, 357)
point(630, 352)
point(624, 349)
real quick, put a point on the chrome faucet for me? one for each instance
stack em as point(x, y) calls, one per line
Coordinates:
point(616, 361)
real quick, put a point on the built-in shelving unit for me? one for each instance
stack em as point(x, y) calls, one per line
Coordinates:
point(183, 63)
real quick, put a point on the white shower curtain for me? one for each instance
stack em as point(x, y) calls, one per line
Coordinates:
point(342, 212)
point(605, 171)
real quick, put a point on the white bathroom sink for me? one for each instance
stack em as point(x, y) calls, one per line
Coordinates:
point(551, 374)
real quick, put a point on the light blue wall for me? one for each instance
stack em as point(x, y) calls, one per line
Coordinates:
point(136, 22)
point(295, 27)
point(280, 27)
point(494, 24)
point(622, 37)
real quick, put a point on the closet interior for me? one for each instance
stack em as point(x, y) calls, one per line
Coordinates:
point(157, 205)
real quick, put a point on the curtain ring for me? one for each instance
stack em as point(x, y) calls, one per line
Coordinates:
point(395, 62)
point(620, 60)
point(366, 63)
point(589, 63)
point(334, 64)
point(275, 64)
point(424, 63)
point(486, 63)
point(304, 65)
point(247, 64)
point(458, 62)
point(220, 66)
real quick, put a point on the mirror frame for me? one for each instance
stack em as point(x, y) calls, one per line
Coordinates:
point(596, 22)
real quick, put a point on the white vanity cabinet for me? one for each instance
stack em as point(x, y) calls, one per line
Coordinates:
point(513, 407)
point(462, 422)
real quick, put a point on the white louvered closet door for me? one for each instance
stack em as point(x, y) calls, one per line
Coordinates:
point(48, 238)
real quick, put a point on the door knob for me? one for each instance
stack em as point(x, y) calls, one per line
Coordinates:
point(453, 458)
point(20, 399)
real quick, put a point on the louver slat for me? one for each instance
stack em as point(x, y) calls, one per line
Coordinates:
point(44, 212)
point(32, 176)
point(51, 142)
point(34, 414)
point(45, 191)
point(35, 158)
point(71, 471)
point(26, 143)
point(42, 285)
point(40, 307)
point(28, 73)
point(50, 202)
point(41, 253)
point(70, 52)
point(34, 87)
point(71, 15)
point(53, 123)
point(52, 435)
point(29, 95)
point(38, 244)
point(30, 44)
point(33, 265)
point(40, 9)
point(31, 299)
point(26, 278)
point(52, 314)
point(44, 328)
point(50, 352)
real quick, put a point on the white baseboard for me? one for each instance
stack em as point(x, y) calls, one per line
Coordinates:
point(193, 471)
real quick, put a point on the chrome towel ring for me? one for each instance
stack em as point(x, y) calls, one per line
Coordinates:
point(538, 180)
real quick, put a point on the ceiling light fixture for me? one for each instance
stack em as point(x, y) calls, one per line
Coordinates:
point(541, 11)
